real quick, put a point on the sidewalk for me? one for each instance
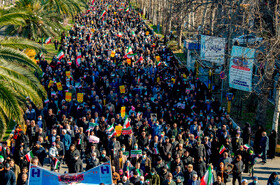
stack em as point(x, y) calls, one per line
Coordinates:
point(263, 171)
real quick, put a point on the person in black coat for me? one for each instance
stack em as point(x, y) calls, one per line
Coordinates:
point(247, 134)
point(200, 167)
point(257, 139)
point(188, 174)
point(74, 160)
point(272, 144)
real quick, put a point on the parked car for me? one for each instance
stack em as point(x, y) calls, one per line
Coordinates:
point(247, 39)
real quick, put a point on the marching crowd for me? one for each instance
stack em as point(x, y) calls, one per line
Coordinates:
point(112, 71)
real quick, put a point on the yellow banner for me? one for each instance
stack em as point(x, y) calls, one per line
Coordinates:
point(50, 83)
point(158, 58)
point(173, 80)
point(147, 32)
point(115, 13)
point(68, 96)
point(59, 86)
point(118, 130)
point(122, 89)
point(123, 111)
point(80, 97)
point(68, 74)
point(113, 54)
point(128, 61)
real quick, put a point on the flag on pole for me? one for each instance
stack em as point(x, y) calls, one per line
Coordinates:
point(156, 151)
point(129, 56)
point(222, 149)
point(119, 34)
point(56, 164)
point(113, 133)
point(138, 79)
point(120, 8)
point(46, 101)
point(126, 122)
point(48, 40)
point(78, 59)
point(192, 107)
point(92, 2)
point(139, 60)
point(208, 178)
point(129, 50)
point(159, 63)
point(29, 156)
point(79, 141)
point(103, 13)
point(138, 172)
point(133, 34)
point(110, 128)
point(60, 55)
point(127, 10)
point(246, 146)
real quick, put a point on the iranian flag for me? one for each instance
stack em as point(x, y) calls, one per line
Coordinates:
point(133, 34)
point(126, 122)
point(130, 55)
point(193, 107)
point(129, 50)
point(47, 101)
point(246, 146)
point(56, 163)
point(78, 59)
point(208, 178)
point(162, 134)
point(110, 128)
point(48, 40)
point(120, 8)
point(156, 151)
point(29, 156)
point(60, 55)
point(222, 149)
point(79, 141)
point(127, 10)
point(113, 133)
point(92, 2)
point(139, 60)
point(103, 13)
point(159, 63)
point(120, 34)
point(138, 79)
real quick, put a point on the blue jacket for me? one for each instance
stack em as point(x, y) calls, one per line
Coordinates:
point(66, 139)
point(265, 143)
point(8, 177)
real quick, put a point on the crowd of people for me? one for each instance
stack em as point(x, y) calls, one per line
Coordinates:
point(112, 70)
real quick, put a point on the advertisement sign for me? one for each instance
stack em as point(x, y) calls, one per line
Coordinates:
point(241, 68)
point(212, 49)
point(97, 175)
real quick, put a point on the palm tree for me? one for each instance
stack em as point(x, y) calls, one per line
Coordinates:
point(38, 21)
point(17, 80)
point(65, 7)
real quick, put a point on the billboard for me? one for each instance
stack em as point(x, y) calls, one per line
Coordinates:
point(212, 49)
point(94, 176)
point(241, 68)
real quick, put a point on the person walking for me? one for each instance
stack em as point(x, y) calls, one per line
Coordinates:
point(264, 145)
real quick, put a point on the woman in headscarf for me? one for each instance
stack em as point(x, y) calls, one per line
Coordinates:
point(257, 139)
point(273, 179)
point(272, 144)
